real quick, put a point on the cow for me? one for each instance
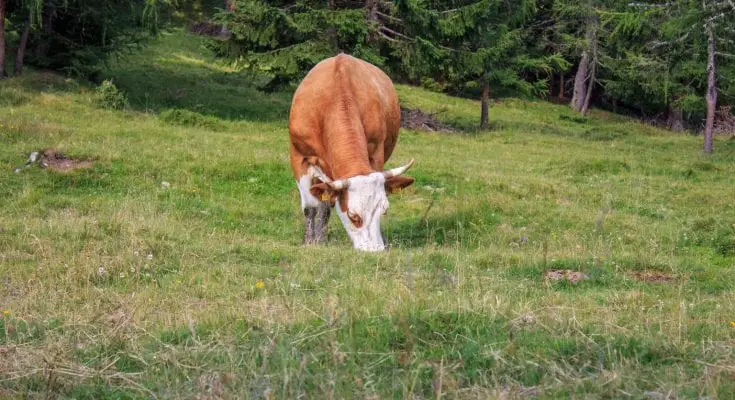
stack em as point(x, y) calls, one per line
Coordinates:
point(343, 126)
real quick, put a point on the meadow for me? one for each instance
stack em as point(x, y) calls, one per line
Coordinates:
point(173, 267)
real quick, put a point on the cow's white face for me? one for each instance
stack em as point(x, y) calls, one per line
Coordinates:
point(361, 201)
point(367, 202)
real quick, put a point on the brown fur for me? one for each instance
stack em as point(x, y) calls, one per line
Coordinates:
point(344, 118)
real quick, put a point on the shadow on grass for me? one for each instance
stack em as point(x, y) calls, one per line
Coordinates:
point(14, 92)
point(177, 72)
point(459, 228)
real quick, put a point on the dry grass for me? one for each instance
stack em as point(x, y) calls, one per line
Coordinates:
point(137, 277)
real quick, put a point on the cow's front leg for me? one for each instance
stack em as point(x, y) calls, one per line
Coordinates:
point(309, 220)
point(321, 222)
point(316, 223)
point(316, 213)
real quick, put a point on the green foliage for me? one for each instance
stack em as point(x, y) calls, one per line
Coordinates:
point(655, 56)
point(284, 40)
point(76, 36)
point(107, 95)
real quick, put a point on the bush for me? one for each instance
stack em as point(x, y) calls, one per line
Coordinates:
point(109, 96)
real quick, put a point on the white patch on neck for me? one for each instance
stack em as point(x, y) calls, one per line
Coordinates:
point(304, 184)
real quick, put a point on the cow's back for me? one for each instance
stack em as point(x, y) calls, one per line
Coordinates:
point(351, 89)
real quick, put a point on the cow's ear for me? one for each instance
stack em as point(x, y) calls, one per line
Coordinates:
point(397, 183)
point(323, 192)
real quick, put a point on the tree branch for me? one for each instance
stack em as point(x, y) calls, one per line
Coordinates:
point(389, 17)
point(386, 37)
point(647, 5)
point(392, 32)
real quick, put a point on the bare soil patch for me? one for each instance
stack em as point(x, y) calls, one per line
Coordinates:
point(573, 277)
point(421, 121)
point(652, 276)
point(56, 161)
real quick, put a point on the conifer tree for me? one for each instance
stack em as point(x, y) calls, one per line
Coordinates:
point(694, 35)
point(75, 36)
point(284, 39)
point(476, 45)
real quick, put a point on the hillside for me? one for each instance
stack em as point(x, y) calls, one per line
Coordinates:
point(172, 268)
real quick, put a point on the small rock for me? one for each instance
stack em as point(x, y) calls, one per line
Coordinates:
point(165, 185)
point(572, 276)
point(448, 278)
point(524, 320)
point(33, 157)
point(652, 395)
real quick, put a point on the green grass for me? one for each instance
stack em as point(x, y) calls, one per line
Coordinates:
point(117, 287)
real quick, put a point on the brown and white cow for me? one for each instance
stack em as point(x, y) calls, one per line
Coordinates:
point(343, 125)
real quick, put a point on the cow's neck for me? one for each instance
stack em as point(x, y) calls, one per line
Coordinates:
point(349, 162)
point(347, 150)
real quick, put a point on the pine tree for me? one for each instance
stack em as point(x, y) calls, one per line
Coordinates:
point(689, 27)
point(284, 39)
point(75, 36)
point(478, 45)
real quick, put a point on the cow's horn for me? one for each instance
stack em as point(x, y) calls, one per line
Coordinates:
point(335, 185)
point(320, 174)
point(339, 185)
point(399, 170)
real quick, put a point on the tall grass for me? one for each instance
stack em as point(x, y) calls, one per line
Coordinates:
point(173, 267)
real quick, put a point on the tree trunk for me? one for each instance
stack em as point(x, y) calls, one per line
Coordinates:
point(580, 81)
point(3, 74)
point(41, 50)
point(675, 119)
point(371, 7)
point(561, 86)
point(484, 111)
point(591, 78)
point(332, 31)
point(18, 71)
point(582, 76)
point(711, 91)
point(590, 86)
point(48, 16)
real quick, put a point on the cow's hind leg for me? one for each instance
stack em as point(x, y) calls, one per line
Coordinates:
point(316, 213)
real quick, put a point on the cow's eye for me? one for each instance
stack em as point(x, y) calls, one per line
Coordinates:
point(355, 218)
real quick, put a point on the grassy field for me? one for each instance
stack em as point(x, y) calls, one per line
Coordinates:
point(173, 267)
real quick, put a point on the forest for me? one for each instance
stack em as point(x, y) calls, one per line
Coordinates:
point(669, 63)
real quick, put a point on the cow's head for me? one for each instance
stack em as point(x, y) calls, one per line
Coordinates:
point(361, 201)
